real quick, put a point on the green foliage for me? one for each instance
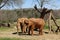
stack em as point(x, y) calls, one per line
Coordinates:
point(46, 27)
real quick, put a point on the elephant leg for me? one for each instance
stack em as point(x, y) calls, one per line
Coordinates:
point(40, 31)
point(17, 29)
point(24, 29)
point(32, 28)
point(21, 26)
point(29, 30)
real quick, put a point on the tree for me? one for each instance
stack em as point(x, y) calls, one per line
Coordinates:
point(45, 11)
point(10, 3)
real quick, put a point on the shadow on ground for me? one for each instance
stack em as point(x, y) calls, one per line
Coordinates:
point(20, 33)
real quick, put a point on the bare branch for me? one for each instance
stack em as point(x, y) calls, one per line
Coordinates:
point(36, 8)
point(3, 4)
point(11, 3)
point(43, 2)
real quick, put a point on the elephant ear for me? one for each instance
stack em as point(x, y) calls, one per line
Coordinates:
point(26, 22)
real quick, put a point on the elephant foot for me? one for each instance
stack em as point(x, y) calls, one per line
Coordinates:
point(40, 33)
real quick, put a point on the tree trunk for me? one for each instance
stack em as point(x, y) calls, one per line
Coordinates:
point(49, 22)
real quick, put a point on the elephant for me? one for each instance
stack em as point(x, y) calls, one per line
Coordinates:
point(20, 24)
point(35, 23)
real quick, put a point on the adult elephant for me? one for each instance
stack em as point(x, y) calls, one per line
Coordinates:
point(35, 23)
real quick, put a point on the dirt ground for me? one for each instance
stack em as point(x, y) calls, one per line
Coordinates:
point(46, 36)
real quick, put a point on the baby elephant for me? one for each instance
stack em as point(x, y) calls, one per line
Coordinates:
point(35, 23)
